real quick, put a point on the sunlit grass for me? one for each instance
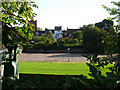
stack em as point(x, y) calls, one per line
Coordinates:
point(55, 68)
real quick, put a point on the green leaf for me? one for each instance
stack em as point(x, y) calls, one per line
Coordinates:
point(14, 13)
point(92, 68)
point(103, 41)
point(34, 5)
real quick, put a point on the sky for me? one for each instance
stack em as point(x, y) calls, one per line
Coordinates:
point(70, 13)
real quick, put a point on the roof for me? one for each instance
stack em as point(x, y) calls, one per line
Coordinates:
point(64, 31)
point(52, 31)
point(74, 29)
point(41, 31)
point(58, 27)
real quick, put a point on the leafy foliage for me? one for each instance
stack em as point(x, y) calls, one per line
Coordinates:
point(113, 11)
point(111, 41)
point(92, 39)
point(39, 43)
point(17, 15)
point(105, 25)
point(25, 83)
point(78, 35)
point(50, 36)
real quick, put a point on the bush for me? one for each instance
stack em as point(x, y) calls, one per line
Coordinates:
point(54, 46)
point(78, 36)
point(92, 40)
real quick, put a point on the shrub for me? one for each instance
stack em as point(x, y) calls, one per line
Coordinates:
point(92, 40)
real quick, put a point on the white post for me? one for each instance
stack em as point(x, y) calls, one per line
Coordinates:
point(68, 54)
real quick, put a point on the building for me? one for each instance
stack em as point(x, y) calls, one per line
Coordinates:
point(57, 32)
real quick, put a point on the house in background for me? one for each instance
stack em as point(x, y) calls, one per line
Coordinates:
point(57, 32)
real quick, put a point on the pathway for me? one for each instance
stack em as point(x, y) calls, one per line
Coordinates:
point(52, 57)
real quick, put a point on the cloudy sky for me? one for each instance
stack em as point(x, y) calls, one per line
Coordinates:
point(70, 13)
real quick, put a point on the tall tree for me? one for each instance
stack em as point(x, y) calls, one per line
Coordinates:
point(115, 12)
point(92, 39)
point(105, 25)
point(112, 40)
point(15, 17)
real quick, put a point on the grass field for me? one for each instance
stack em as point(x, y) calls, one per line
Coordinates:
point(55, 68)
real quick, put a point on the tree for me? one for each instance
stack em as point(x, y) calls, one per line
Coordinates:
point(92, 39)
point(105, 25)
point(51, 36)
point(114, 11)
point(78, 35)
point(113, 39)
point(68, 40)
point(111, 42)
point(15, 17)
